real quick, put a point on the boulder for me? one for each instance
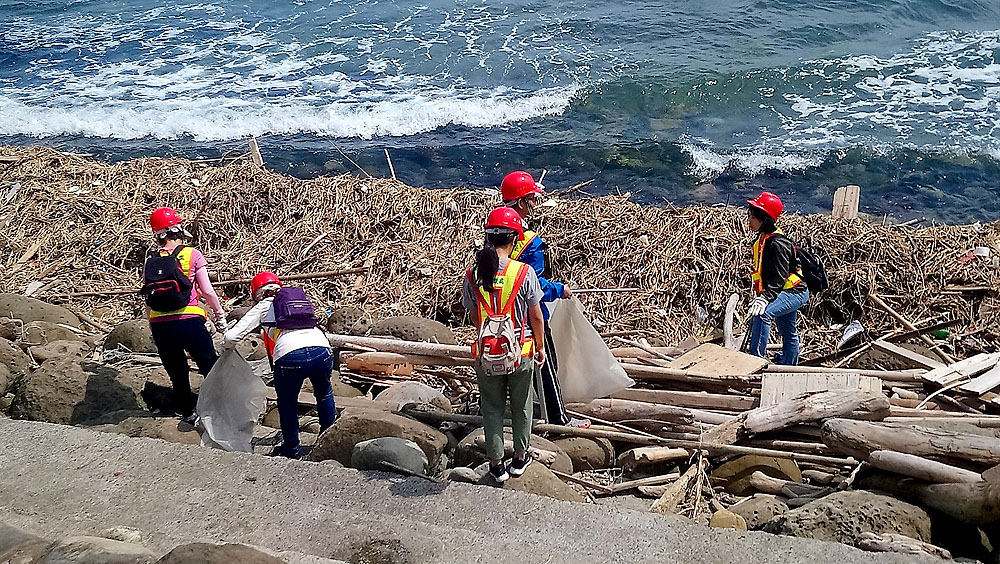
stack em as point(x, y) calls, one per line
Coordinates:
point(845, 516)
point(340, 389)
point(369, 455)
point(727, 520)
point(237, 313)
point(759, 509)
point(13, 357)
point(251, 347)
point(4, 379)
point(17, 546)
point(404, 393)
point(348, 320)
point(467, 453)
point(539, 480)
point(464, 475)
point(66, 391)
point(411, 328)
point(735, 474)
point(359, 424)
point(58, 349)
point(154, 385)
point(204, 553)
point(168, 429)
point(587, 453)
point(28, 309)
point(133, 335)
point(272, 419)
point(43, 332)
point(97, 550)
point(10, 329)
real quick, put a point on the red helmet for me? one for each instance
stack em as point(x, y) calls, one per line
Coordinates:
point(770, 203)
point(505, 218)
point(517, 185)
point(263, 279)
point(162, 218)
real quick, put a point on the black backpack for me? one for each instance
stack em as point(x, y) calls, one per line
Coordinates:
point(813, 271)
point(166, 287)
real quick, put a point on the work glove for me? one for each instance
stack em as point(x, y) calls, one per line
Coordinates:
point(757, 306)
point(227, 345)
point(539, 358)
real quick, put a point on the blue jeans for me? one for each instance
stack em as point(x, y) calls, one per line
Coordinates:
point(784, 312)
point(290, 371)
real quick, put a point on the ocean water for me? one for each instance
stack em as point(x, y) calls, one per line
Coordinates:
point(673, 100)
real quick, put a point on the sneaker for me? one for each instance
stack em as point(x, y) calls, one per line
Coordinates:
point(190, 418)
point(579, 423)
point(517, 467)
point(499, 473)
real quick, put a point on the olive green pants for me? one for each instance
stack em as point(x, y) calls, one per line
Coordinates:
point(493, 394)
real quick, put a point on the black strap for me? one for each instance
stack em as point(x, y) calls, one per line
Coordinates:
point(177, 251)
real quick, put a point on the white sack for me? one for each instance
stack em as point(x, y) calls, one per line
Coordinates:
point(230, 402)
point(587, 369)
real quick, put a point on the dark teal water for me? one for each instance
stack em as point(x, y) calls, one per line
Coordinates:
point(679, 100)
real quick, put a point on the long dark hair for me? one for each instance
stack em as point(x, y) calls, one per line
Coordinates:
point(487, 261)
point(766, 221)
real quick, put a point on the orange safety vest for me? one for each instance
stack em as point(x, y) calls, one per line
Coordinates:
point(184, 257)
point(522, 244)
point(499, 300)
point(794, 278)
point(269, 341)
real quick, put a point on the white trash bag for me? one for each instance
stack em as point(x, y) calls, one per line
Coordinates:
point(230, 401)
point(587, 369)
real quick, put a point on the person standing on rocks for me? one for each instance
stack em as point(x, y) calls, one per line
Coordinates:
point(778, 286)
point(173, 278)
point(520, 192)
point(504, 298)
point(297, 350)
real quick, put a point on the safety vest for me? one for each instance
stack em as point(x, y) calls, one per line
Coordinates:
point(794, 278)
point(270, 340)
point(500, 300)
point(184, 257)
point(521, 244)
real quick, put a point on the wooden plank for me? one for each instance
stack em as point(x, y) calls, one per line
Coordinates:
point(713, 359)
point(963, 369)
point(778, 387)
point(907, 355)
point(846, 201)
point(983, 383)
point(255, 152)
point(702, 400)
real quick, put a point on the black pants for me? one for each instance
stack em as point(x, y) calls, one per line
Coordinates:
point(554, 404)
point(172, 339)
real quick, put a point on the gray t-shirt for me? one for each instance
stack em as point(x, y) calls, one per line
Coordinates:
point(529, 295)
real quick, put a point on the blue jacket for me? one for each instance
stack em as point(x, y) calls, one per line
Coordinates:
point(534, 256)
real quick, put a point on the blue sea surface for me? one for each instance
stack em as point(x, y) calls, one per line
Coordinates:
point(677, 100)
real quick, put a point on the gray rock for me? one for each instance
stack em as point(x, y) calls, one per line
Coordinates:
point(133, 335)
point(4, 379)
point(58, 349)
point(369, 455)
point(66, 391)
point(13, 357)
point(203, 553)
point(348, 320)
point(169, 429)
point(405, 393)
point(17, 546)
point(470, 455)
point(341, 389)
point(538, 480)
point(844, 516)
point(356, 425)
point(759, 509)
point(251, 347)
point(97, 550)
point(587, 453)
point(464, 475)
point(153, 385)
point(28, 309)
point(411, 328)
point(43, 332)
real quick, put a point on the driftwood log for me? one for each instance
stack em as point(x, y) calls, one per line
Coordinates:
point(650, 455)
point(974, 504)
point(921, 468)
point(891, 542)
point(626, 410)
point(861, 438)
point(817, 407)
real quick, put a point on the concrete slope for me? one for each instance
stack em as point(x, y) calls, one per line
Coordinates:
point(57, 480)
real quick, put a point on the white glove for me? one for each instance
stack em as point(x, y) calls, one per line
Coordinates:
point(757, 306)
point(228, 345)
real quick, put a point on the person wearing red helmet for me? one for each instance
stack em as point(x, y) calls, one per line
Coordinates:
point(520, 192)
point(295, 354)
point(501, 287)
point(181, 327)
point(778, 287)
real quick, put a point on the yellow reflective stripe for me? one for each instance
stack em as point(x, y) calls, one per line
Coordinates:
point(522, 244)
point(793, 280)
point(505, 281)
point(189, 310)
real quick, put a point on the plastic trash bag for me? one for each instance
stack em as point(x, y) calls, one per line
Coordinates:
point(587, 369)
point(229, 403)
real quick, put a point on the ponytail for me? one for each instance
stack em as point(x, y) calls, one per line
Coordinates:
point(487, 264)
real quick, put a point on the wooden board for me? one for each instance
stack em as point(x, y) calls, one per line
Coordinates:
point(913, 358)
point(703, 400)
point(713, 359)
point(963, 369)
point(846, 201)
point(983, 383)
point(779, 387)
